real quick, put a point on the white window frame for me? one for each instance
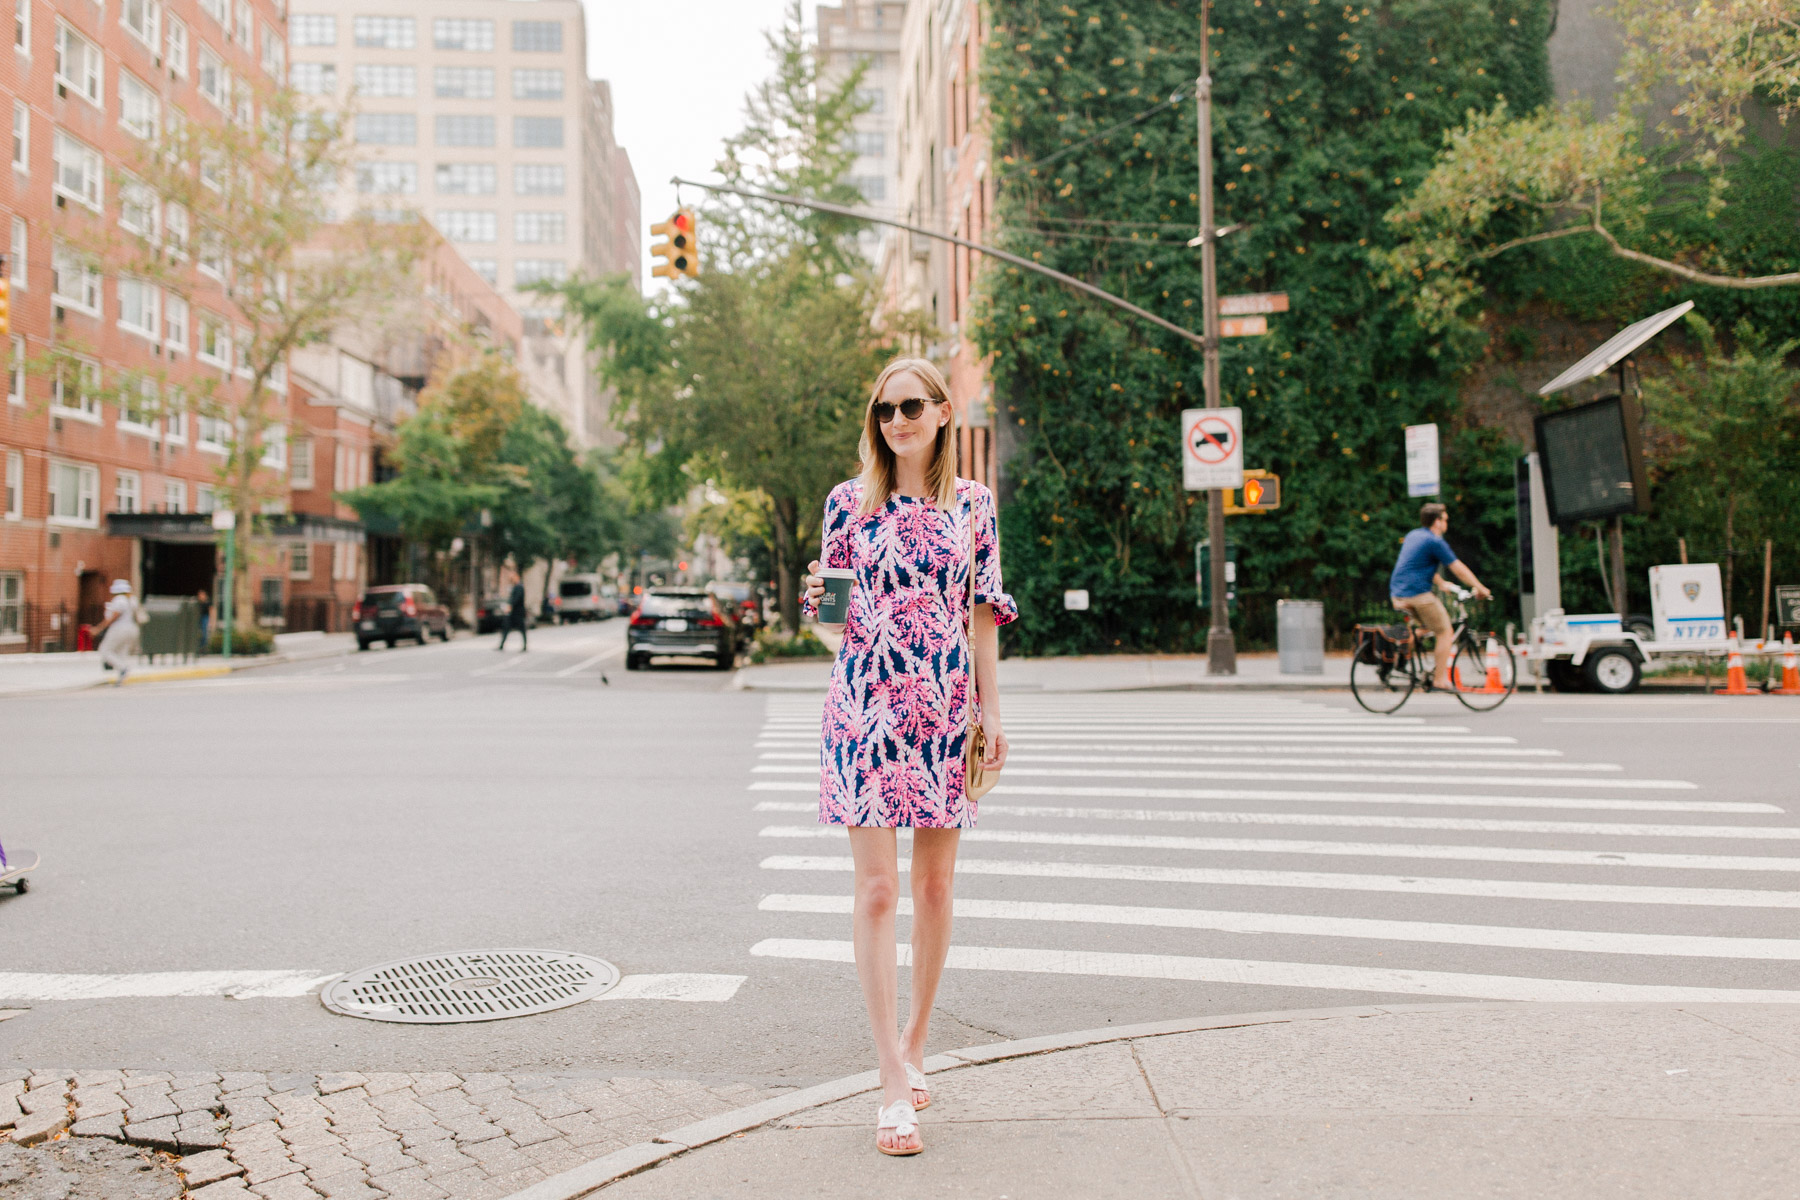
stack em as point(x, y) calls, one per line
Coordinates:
point(405, 29)
point(134, 93)
point(21, 143)
point(523, 123)
point(378, 177)
point(300, 561)
point(175, 323)
point(137, 209)
point(275, 447)
point(71, 153)
point(527, 271)
point(220, 356)
point(206, 497)
point(145, 300)
point(274, 54)
point(524, 77)
point(175, 229)
point(64, 263)
point(175, 34)
point(207, 436)
point(301, 78)
point(462, 83)
point(87, 390)
point(150, 12)
point(523, 173)
point(449, 173)
point(300, 463)
point(175, 418)
point(18, 263)
point(128, 492)
point(87, 494)
point(212, 67)
point(92, 68)
point(218, 11)
point(532, 228)
point(14, 494)
point(452, 33)
point(140, 418)
point(12, 607)
point(452, 124)
point(241, 351)
point(487, 268)
point(469, 225)
point(246, 26)
point(22, 27)
point(174, 495)
point(15, 370)
point(385, 80)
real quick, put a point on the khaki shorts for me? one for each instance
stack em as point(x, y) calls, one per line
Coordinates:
point(1429, 611)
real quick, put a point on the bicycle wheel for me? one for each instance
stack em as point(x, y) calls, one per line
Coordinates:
point(1469, 674)
point(1381, 687)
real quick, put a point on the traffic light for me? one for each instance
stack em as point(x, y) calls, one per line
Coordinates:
point(5, 306)
point(1262, 493)
point(681, 253)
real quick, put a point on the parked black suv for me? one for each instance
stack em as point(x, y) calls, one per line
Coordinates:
point(401, 610)
point(681, 622)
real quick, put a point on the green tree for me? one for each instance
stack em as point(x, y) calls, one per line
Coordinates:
point(550, 503)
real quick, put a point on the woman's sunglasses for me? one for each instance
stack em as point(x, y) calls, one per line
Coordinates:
point(913, 409)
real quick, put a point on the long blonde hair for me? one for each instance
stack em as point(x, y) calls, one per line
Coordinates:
point(878, 457)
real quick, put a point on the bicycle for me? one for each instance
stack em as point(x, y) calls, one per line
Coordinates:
point(1391, 661)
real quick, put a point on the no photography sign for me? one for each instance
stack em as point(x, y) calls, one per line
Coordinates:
point(1212, 441)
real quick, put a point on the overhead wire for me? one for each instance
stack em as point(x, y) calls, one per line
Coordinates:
point(1175, 97)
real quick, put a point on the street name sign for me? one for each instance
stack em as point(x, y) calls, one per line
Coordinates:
point(1243, 326)
point(1421, 460)
point(1256, 302)
point(1212, 455)
point(1075, 599)
point(1261, 493)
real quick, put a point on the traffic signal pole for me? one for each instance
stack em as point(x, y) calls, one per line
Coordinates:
point(1221, 645)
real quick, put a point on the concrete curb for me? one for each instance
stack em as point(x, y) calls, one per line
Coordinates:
point(592, 1176)
point(178, 674)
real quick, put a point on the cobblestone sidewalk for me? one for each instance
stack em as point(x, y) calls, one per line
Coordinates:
point(241, 1135)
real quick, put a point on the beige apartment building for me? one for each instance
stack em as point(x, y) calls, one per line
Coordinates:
point(479, 114)
point(868, 31)
point(944, 181)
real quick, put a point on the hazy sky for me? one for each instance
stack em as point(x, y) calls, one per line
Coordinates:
point(679, 70)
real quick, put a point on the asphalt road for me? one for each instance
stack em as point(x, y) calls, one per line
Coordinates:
point(1150, 855)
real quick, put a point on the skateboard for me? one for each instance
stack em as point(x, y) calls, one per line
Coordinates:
point(15, 866)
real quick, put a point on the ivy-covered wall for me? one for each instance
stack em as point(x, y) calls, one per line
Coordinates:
point(1325, 115)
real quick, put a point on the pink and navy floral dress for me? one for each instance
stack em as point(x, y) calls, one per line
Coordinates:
point(903, 689)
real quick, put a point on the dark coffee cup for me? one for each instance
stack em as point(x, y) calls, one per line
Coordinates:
point(834, 605)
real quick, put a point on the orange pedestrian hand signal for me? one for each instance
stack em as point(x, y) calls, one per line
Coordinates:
point(1262, 493)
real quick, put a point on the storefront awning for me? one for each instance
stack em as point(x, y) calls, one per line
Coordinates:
point(197, 528)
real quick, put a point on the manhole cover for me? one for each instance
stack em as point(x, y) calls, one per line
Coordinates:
point(479, 985)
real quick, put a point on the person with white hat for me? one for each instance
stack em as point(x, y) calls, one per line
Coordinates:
point(120, 630)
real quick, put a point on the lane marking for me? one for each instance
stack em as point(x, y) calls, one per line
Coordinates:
point(1670, 720)
point(586, 663)
point(1288, 974)
point(1355, 821)
point(1131, 741)
point(1015, 772)
point(1407, 763)
point(251, 985)
point(503, 665)
point(1505, 889)
point(1411, 751)
point(1302, 925)
point(1424, 850)
point(1444, 800)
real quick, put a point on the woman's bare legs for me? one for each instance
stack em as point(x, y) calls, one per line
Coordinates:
point(933, 886)
point(877, 897)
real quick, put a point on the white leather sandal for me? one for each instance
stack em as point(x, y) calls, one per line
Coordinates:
point(915, 1079)
point(900, 1118)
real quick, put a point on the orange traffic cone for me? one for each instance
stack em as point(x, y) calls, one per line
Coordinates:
point(1493, 666)
point(1734, 672)
point(1790, 670)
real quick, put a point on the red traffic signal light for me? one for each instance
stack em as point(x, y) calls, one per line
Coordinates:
point(681, 252)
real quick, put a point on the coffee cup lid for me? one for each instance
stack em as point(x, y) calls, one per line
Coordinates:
point(836, 573)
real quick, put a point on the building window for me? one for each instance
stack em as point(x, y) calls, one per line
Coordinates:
point(216, 10)
point(175, 230)
point(300, 560)
point(246, 25)
point(22, 26)
point(386, 79)
point(76, 391)
point(206, 498)
point(74, 281)
point(537, 83)
point(174, 496)
point(454, 33)
point(79, 170)
point(538, 179)
point(487, 268)
point(214, 348)
point(74, 492)
point(537, 37)
point(300, 464)
point(312, 29)
point(538, 132)
point(466, 179)
point(78, 65)
point(275, 451)
point(468, 225)
point(872, 187)
point(875, 98)
point(137, 208)
point(139, 109)
point(175, 423)
point(215, 80)
point(175, 323)
point(465, 131)
point(387, 178)
point(138, 307)
point(274, 54)
point(15, 485)
point(464, 83)
point(12, 606)
point(126, 488)
point(140, 17)
point(177, 38)
point(384, 33)
point(867, 144)
point(21, 146)
point(539, 227)
point(138, 412)
point(214, 435)
point(314, 79)
point(527, 271)
point(387, 129)
point(15, 372)
point(17, 268)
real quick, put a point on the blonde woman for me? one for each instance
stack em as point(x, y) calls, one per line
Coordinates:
point(901, 703)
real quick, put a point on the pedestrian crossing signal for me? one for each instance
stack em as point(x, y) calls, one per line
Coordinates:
point(681, 252)
point(1262, 493)
point(5, 306)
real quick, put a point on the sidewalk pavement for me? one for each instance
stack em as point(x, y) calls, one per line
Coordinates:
point(1547, 1101)
point(28, 674)
point(1088, 673)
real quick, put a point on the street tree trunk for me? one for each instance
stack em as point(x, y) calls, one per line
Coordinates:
point(784, 519)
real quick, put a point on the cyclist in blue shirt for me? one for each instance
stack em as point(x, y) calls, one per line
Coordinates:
point(1422, 553)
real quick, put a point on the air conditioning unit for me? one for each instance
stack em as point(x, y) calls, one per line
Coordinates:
point(62, 201)
point(62, 91)
point(55, 540)
point(921, 248)
point(56, 424)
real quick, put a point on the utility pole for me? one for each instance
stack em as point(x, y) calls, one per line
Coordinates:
point(1221, 646)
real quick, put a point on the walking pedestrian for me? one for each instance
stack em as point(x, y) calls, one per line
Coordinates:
point(204, 600)
point(516, 615)
point(119, 640)
point(901, 707)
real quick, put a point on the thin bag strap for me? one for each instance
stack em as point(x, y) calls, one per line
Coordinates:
point(969, 621)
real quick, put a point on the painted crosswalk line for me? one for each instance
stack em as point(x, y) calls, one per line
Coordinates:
point(1575, 941)
point(259, 985)
point(1033, 758)
point(1421, 850)
point(1492, 889)
point(1412, 752)
point(1030, 772)
point(1296, 975)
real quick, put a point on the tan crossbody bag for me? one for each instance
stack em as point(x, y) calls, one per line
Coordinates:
point(977, 779)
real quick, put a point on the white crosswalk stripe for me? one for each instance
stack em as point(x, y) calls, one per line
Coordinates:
point(1540, 905)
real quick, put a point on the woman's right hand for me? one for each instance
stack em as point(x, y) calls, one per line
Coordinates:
point(815, 586)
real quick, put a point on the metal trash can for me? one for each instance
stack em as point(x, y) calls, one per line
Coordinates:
point(1300, 636)
point(171, 627)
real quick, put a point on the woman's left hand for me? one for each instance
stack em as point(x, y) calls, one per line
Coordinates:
point(996, 743)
